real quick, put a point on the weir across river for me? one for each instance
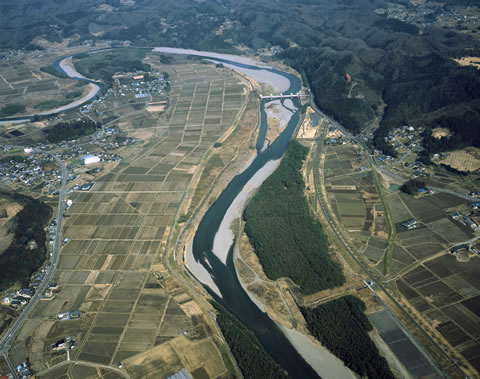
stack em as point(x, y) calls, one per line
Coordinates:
point(297, 95)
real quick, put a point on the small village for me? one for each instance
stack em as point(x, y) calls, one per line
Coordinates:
point(31, 168)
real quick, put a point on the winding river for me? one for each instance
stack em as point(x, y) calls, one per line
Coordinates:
point(64, 66)
point(210, 257)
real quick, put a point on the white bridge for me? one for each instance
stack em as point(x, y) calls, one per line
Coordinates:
point(292, 95)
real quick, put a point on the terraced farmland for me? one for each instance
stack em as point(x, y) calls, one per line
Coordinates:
point(112, 268)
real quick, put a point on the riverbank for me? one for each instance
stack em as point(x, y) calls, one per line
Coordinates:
point(92, 93)
point(261, 74)
point(224, 238)
point(66, 66)
point(271, 297)
point(278, 116)
point(69, 69)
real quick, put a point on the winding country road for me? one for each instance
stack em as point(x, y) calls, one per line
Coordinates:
point(9, 338)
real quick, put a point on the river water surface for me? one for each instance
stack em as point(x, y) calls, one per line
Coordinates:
point(210, 257)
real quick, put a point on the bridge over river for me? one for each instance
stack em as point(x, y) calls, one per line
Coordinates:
point(297, 95)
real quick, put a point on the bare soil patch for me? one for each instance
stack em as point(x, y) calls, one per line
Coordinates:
point(469, 61)
point(440, 132)
point(8, 210)
point(464, 160)
point(307, 131)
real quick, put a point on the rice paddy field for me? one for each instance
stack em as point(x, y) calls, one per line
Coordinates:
point(355, 202)
point(442, 289)
point(111, 270)
point(25, 84)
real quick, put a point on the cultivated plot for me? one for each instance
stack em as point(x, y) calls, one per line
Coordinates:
point(111, 268)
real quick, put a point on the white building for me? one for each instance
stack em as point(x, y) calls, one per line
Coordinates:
point(89, 159)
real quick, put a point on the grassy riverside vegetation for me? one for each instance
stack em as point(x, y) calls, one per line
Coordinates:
point(11, 109)
point(392, 232)
point(288, 241)
point(50, 104)
point(252, 359)
point(52, 71)
point(23, 257)
point(103, 66)
point(66, 131)
point(342, 327)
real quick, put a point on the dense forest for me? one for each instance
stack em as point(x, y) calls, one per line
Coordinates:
point(23, 257)
point(288, 241)
point(342, 327)
point(251, 358)
point(67, 131)
point(463, 128)
point(412, 186)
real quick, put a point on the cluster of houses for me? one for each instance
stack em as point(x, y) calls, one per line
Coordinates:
point(127, 141)
point(28, 168)
point(424, 14)
point(136, 85)
point(19, 298)
point(405, 137)
point(23, 371)
point(474, 193)
point(471, 220)
point(33, 168)
point(418, 170)
point(101, 138)
point(22, 296)
point(141, 85)
point(52, 230)
point(72, 150)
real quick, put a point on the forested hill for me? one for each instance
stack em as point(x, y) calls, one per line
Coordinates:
point(395, 71)
point(27, 252)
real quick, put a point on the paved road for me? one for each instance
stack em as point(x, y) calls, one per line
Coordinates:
point(9, 338)
point(377, 285)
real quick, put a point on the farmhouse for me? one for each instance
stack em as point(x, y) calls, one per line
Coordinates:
point(75, 314)
point(455, 215)
point(456, 249)
point(87, 187)
point(410, 224)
